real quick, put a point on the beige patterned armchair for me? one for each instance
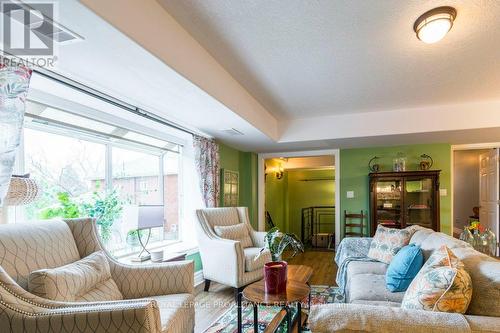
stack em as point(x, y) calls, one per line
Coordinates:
point(228, 261)
point(157, 298)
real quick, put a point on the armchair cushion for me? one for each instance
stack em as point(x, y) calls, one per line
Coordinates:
point(138, 281)
point(176, 312)
point(237, 232)
point(86, 280)
point(371, 287)
point(252, 264)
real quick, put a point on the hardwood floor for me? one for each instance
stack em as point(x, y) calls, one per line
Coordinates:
point(211, 305)
point(322, 264)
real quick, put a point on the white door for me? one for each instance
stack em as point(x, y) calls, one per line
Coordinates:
point(489, 188)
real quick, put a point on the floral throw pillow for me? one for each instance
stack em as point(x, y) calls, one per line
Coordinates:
point(387, 242)
point(441, 285)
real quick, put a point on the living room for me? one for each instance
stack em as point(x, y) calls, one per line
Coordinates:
point(245, 166)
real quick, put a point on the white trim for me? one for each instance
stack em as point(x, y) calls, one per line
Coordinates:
point(469, 146)
point(198, 278)
point(108, 158)
point(108, 114)
point(473, 146)
point(304, 153)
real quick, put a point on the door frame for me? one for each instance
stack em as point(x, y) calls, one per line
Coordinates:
point(303, 153)
point(471, 146)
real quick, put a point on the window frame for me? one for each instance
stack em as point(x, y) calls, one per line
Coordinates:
point(110, 143)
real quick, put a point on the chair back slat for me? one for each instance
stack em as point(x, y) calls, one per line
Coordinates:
point(354, 224)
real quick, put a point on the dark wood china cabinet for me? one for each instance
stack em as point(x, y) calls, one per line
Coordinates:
point(402, 199)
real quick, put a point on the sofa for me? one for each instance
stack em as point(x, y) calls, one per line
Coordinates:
point(370, 307)
point(156, 297)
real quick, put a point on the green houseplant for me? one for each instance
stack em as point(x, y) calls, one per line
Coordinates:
point(277, 242)
point(105, 208)
point(66, 208)
point(133, 237)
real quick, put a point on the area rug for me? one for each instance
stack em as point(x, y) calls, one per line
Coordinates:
point(227, 323)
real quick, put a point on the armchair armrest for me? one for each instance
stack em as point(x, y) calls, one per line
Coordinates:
point(137, 281)
point(223, 260)
point(341, 317)
point(258, 238)
point(131, 316)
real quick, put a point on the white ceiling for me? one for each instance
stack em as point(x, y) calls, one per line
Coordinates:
point(111, 62)
point(310, 87)
point(315, 58)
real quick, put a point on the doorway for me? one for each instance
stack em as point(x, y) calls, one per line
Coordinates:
point(476, 187)
point(298, 193)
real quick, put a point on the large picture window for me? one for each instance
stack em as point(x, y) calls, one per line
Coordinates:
point(88, 168)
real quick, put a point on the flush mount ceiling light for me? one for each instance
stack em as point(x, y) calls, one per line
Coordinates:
point(433, 25)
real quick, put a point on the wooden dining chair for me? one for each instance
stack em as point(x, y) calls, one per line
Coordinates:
point(354, 224)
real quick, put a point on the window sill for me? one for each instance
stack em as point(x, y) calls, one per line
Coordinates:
point(168, 247)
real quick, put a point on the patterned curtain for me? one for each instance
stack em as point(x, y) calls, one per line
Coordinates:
point(14, 82)
point(206, 154)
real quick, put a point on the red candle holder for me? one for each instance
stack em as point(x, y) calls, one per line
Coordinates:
point(275, 277)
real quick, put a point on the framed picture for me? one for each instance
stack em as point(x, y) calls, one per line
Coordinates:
point(230, 184)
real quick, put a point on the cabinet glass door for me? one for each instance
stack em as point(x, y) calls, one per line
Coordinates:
point(389, 203)
point(419, 202)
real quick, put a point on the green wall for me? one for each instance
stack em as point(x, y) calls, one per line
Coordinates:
point(197, 260)
point(246, 164)
point(277, 200)
point(354, 174)
point(302, 194)
point(286, 197)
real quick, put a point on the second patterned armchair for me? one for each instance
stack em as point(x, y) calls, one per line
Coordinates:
point(153, 298)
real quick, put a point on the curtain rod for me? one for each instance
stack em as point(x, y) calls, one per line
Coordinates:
point(109, 99)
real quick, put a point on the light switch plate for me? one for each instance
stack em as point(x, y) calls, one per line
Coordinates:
point(350, 194)
point(443, 192)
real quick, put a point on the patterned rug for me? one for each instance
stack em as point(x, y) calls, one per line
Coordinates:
point(227, 323)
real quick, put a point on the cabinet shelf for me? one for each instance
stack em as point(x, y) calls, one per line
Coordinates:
point(417, 188)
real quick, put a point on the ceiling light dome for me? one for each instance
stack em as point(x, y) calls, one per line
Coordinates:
point(433, 25)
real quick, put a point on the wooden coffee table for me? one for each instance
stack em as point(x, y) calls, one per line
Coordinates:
point(296, 290)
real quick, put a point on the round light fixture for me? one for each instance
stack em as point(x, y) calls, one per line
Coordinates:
point(433, 25)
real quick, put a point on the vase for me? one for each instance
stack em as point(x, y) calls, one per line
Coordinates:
point(491, 242)
point(466, 236)
point(477, 241)
point(275, 277)
point(14, 81)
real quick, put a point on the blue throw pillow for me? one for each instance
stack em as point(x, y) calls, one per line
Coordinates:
point(404, 267)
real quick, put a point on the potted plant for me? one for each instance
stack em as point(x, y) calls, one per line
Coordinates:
point(133, 237)
point(275, 272)
point(277, 242)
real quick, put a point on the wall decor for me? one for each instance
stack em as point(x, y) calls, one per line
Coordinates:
point(374, 167)
point(426, 162)
point(280, 172)
point(230, 188)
